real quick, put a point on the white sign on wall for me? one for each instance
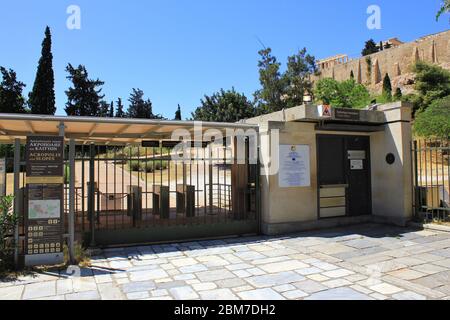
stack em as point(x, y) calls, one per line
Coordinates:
point(294, 166)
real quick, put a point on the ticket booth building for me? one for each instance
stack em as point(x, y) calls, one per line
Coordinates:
point(354, 166)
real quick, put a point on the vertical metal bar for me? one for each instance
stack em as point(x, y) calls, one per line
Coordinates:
point(16, 198)
point(153, 182)
point(146, 184)
point(416, 181)
point(83, 180)
point(91, 191)
point(98, 187)
point(72, 201)
point(115, 185)
point(258, 193)
point(106, 193)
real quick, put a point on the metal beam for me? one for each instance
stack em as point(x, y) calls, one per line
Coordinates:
point(30, 126)
point(72, 201)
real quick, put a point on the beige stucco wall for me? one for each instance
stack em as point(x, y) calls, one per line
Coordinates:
point(391, 184)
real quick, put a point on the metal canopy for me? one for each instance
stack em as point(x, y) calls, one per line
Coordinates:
point(102, 130)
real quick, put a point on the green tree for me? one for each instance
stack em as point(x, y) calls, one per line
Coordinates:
point(178, 113)
point(432, 83)
point(445, 7)
point(120, 113)
point(104, 109)
point(270, 97)
point(84, 97)
point(11, 98)
point(398, 94)
point(139, 107)
point(387, 88)
point(369, 48)
point(41, 99)
point(344, 94)
point(297, 77)
point(435, 120)
point(111, 110)
point(224, 106)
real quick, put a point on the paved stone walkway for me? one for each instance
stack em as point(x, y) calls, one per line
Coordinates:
point(360, 262)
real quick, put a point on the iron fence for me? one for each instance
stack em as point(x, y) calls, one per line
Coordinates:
point(431, 167)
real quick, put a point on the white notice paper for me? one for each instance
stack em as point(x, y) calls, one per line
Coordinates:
point(294, 166)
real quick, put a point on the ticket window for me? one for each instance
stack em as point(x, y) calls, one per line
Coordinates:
point(343, 176)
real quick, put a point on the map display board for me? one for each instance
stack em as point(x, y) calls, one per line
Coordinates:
point(45, 195)
point(294, 166)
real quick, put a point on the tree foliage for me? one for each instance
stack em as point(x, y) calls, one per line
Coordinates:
point(139, 107)
point(11, 98)
point(224, 106)
point(387, 88)
point(178, 113)
point(41, 99)
point(432, 83)
point(398, 94)
point(281, 90)
point(120, 113)
point(344, 94)
point(8, 222)
point(435, 120)
point(270, 97)
point(84, 97)
point(445, 7)
point(299, 68)
point(369, 48)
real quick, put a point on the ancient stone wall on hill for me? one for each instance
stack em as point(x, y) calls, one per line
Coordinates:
point(397, 62)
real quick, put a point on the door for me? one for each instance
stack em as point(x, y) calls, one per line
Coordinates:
point(343, 175)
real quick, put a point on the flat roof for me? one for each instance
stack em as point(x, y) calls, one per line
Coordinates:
point(102, 130)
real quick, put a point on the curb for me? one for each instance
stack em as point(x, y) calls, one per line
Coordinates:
point(430, 226)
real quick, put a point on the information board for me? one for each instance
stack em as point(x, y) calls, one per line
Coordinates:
point(45, 195)
point(294, 166)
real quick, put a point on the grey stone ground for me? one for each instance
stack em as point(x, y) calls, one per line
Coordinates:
point(359, 262)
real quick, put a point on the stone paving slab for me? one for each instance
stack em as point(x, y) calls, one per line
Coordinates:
point(359, 262)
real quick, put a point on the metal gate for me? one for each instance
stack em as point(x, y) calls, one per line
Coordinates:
point(431, 167)
point(134, 194)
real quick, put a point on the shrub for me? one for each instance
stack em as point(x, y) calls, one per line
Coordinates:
point(147, 166)
point(434, 121)
point(8, 222)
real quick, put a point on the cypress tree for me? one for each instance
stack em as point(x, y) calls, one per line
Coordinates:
point(42, 98)
point(119, 111)
point(178, 113)
point(387, 87)
point(398, 94)
point(111, 110)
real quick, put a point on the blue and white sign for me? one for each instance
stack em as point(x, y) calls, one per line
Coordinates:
point(294, 166)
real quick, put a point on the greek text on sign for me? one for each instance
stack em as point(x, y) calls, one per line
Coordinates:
point(294, 166)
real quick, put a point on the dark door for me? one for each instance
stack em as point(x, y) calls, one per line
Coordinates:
point(357, 169)
point(345, 161)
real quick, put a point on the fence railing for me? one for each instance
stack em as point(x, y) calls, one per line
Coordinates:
point(431, 168)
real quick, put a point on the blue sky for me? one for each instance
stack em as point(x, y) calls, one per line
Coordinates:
point(177, 50)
